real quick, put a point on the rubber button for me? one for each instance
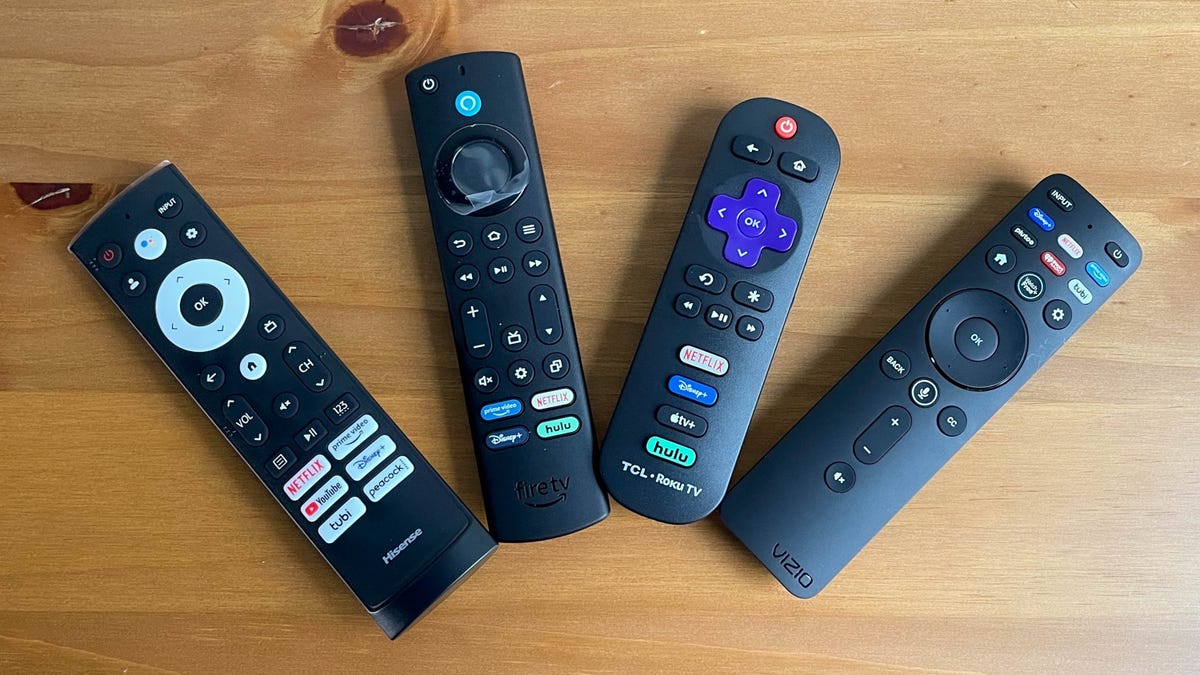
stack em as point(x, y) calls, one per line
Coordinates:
point(785, 127)
point(895, 364)
point(952, 421)
point(270, 327)
point(168, 205)
point(486, 380)
point(839, 477)
point(1057, 314)
point(923, 392)
point(201, 304)
point(109, 256)
point(134, 284)
point(150, 244)
point(429, 84)
point(976, 339)
point(253, 366)
point(1030, 286)
point(212, 377)
point(1114, 251)
point(1001, 259)
point(687, 305)
point(480, 167)
point(193, 234)
point(467, 103)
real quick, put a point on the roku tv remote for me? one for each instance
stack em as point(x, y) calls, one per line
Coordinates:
point(721, 306)
point(341, 468)
point(864, 450)
point(515, 338)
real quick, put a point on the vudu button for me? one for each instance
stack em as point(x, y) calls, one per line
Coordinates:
point(671, 452)
point(1043, 221)
point(692, 390)
point(467, 103)
point(501, 409)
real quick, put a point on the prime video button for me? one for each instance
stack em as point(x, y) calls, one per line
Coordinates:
point(387, 479)
point(467, 103)
point(353, 436)
point(692, 390)
point(501, 409)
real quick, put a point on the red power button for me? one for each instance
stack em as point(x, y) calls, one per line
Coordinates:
point(785, 127)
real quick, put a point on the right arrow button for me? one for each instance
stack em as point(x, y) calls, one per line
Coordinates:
point(547, 320)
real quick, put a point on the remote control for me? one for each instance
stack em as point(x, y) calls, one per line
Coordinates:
point(517, 355)
point(329, 454)
point(704, 353)
point(856, 458)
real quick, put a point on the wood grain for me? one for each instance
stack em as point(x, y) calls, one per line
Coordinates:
point(1062, 538)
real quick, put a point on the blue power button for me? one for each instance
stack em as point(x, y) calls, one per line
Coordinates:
point(467, 103)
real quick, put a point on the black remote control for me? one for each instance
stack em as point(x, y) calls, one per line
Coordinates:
point(341, 468)
point(517, 354)
point(721, 306)
point(833, 481)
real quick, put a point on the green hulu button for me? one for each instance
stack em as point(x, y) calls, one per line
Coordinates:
point(672, 452)
point(560, 426)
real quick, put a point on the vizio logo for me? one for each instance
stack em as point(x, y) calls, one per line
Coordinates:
point(542, 493)
point(791, 565)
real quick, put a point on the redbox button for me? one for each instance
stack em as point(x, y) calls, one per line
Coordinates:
point(1053, 264)
point(785, 127)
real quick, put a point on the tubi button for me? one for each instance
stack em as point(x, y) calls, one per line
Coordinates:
point(134, 284)
point(877, 439)
point(150, 244)
point(689, 423)
point(1114, 251)
point(109, 256)
point(751, 148)
point(507, 438)
point(952, 421)
point(253, 366)
point(559, 426)
point(923, 392)
point(1098, 275)
point(1081, 292)
point(839, 477)
point(1030, 286)
point(193, 234)
point(692, 390)
point(1057, 314)
point(670, 451)
point(687, 305)
point(895, 364)
point(168, 205)
point(1041, 219)
point(341, 520)
point(785, 127)
point(1053, 263)
point(1001, 259)
point(467, 103)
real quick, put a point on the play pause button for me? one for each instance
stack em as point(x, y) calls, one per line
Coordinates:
point(501, 270)
point(466, 277)
point(749, 328)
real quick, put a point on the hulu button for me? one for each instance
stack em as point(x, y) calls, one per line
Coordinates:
point(559, 426)
point(671, 452)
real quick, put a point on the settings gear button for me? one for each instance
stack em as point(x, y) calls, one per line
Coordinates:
point(193, 234)
point(1057, 314)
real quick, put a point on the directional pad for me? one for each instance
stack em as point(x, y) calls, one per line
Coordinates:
point(752, 223)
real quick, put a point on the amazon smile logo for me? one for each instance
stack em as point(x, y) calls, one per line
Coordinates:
point(543, 493)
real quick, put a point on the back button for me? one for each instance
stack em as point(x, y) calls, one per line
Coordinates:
point(212, 377)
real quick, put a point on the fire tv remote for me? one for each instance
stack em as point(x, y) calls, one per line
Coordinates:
point(515, 338)
point(721, 306)
point(856, 458)
point(341, 468)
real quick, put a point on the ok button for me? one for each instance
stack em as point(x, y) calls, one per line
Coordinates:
point(976, 339)
point(752, 222)
point(201, 304)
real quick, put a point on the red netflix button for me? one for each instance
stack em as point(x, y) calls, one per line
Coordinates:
point(1053, 264)
point(704, 360)
point(305, 478)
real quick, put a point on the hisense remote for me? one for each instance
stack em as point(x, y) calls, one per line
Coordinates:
point(329, 454)
point(513, 332)
point(721, 306)
point(862, 452)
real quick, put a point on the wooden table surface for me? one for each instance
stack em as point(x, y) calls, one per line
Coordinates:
point(1065, 536)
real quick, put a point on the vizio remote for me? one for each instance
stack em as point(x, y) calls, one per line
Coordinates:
point(341, 468)
point(721, 306)
point(515, 338)
point(864, 450)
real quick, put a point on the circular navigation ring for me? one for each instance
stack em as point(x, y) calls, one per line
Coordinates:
point(234, 304)
point(481, 170)
point(977, 339)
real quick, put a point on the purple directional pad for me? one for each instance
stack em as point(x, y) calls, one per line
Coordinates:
point(751, 223)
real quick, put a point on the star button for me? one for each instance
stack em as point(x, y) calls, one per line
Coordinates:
point(753, 296)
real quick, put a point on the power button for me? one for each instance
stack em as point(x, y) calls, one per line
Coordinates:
point(429, 84)
point(785, 127)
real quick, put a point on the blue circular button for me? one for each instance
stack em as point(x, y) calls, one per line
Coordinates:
point(467, 103)
point(752, 222)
